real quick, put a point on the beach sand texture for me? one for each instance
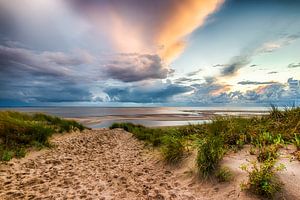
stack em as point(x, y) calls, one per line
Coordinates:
point(111, 164)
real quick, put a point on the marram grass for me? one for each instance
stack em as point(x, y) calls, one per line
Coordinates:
point(20, 131)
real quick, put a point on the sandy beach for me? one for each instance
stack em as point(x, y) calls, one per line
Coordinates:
point(111, 164)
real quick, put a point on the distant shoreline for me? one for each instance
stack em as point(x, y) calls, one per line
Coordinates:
point(103, 117)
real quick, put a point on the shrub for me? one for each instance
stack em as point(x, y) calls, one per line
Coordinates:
point(262, 178)
point(224, 174)
point(7, 155)
point(210, 152)
point(173, 149)
point(267, 153)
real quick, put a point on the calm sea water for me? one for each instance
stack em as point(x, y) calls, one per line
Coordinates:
point(136, 112)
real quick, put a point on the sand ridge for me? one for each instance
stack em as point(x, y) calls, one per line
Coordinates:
point(106, 164)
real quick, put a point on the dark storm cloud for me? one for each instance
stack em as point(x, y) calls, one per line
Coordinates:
point(146, 95)
point(54, 76)
point(53, 91)
point(26, 75)
point(14, 60)
point(256, 82)
point(136, 67)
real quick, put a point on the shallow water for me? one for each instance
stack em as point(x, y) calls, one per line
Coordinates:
point(173, 116)
point(149, 123)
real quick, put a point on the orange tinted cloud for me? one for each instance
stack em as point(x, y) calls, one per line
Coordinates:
point(184, 18)
point(155, 27)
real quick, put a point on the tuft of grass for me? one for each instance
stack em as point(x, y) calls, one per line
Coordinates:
point(19, 131)
point(297, 141)
point(262, 178)
point(224, 174)
point(7, 155)
point(210, 152)
point(173, 149)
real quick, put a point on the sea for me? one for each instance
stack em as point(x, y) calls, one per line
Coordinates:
point(147, 116)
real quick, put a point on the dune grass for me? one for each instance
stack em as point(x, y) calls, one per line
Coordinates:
point(223, 174)
point(212, 140)
point(20, 131)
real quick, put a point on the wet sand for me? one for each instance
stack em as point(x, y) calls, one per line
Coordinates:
point(111, 164)
point(193, 116)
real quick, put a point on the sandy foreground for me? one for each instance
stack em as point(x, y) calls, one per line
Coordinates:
point(111, 164)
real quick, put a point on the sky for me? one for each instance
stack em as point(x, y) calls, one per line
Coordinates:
point(158, 52)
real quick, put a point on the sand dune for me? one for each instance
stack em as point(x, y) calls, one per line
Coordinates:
point(109, 164)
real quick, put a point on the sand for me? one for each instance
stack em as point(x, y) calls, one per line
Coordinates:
point(111, 164)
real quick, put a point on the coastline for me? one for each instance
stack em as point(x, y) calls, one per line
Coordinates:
point(193, 116)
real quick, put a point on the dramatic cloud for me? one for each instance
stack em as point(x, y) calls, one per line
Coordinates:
point(26, 75)
point(144, 94)
point(154, 27)
point(124, 50)
point(265, 93)
point(135, 67)
point(256, 82)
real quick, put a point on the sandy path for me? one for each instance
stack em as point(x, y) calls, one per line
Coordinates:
point(105, 164)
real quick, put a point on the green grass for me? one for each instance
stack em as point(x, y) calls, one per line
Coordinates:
point(173, 149)
point(267, 153)
point(263, 179)
point(20, 131)
point(266, 134)
point(223, 174)
point(210, 152)
point(297, 141)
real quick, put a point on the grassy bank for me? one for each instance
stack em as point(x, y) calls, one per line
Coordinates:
point(20, 131)
point(265, 134)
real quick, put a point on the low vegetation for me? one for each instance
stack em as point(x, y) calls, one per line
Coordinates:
point(173, 149)
point(266, 134)
point(20, 131)
point(224, 174)
point(262, 178)
point(210, 152)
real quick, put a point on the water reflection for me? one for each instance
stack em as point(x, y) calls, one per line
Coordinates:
point(149, 123)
